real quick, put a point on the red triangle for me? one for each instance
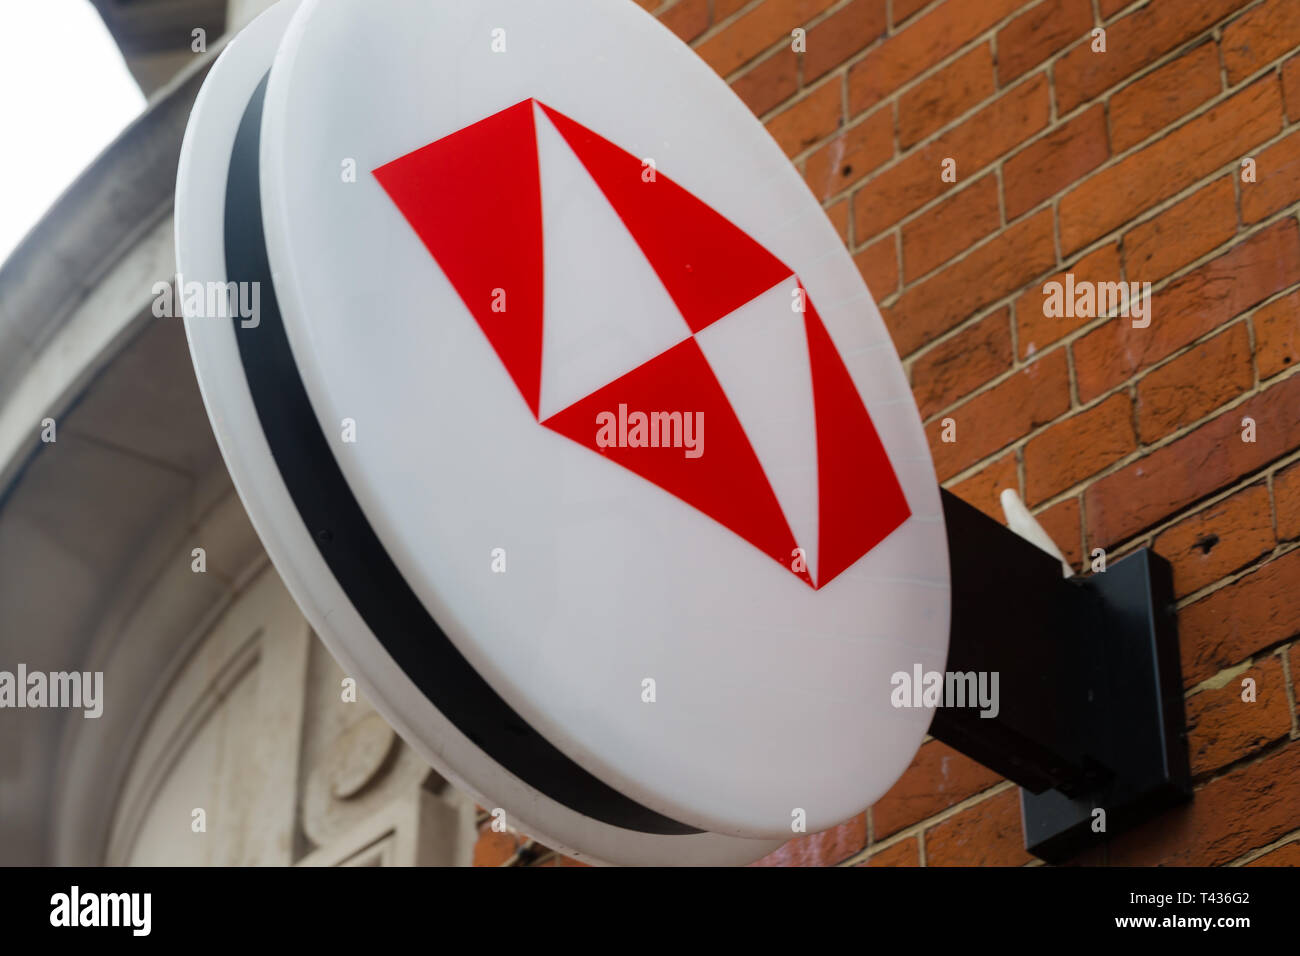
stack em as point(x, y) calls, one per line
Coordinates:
point(860, 501)
point(708, 265)
point(475, 200)
point(726, 481)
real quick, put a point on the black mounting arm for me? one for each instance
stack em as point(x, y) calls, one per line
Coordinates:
point(1090, 709)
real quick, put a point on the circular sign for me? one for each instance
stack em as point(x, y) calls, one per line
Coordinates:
point(566, 417)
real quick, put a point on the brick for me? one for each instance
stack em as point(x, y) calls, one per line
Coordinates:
point(1277, 184)
point(903, 853)
point(1200, 463)
point(1190, 307)
point(961, 364)
point(1008, 411)
point(1218, 540)
point(878, 264)
point(920, 45)
point(1231, 815)
point(1222, 727)
point(850, 156)
point(838, 214)
point(1132, 42)
point(1081, 445)
point(769, 83)
point(1286, 501)
point(495, 849)
point(725, 8)
point(814, 117)
point(938, 778)
point(1173, 162)
point(1255, 612)
point(948, 93)
point(987, 834)
point(1049, 165)
point(1039, 32)
point(1062, 523)
point(1182, 233)
point(1291, 87)
point(1195, 383)
point(1277, 335)
point(687, 18)
point(821, 849)
point(841, 35)
point(913, 181)
point(987, 273)
point(953, 226)
point(1288, 854)
point(1034, 330)
point(1260, 36)
point(755, 30)
point(1163, 96)
point(984, 489)
point(1295, 674)
point(905, 8)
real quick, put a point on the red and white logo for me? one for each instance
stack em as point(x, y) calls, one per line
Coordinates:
point(475, 198)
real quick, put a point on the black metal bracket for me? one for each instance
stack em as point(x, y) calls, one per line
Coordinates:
point(1090, 705)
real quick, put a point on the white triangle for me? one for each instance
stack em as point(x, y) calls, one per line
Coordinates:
point(760, 355)
point(606, 310)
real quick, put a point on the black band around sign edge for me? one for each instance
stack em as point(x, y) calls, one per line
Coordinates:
point(351, 548)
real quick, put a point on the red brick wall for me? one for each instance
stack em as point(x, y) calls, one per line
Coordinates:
point(1115, 166)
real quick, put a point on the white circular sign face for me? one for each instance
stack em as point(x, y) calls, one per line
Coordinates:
point(566, 417)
